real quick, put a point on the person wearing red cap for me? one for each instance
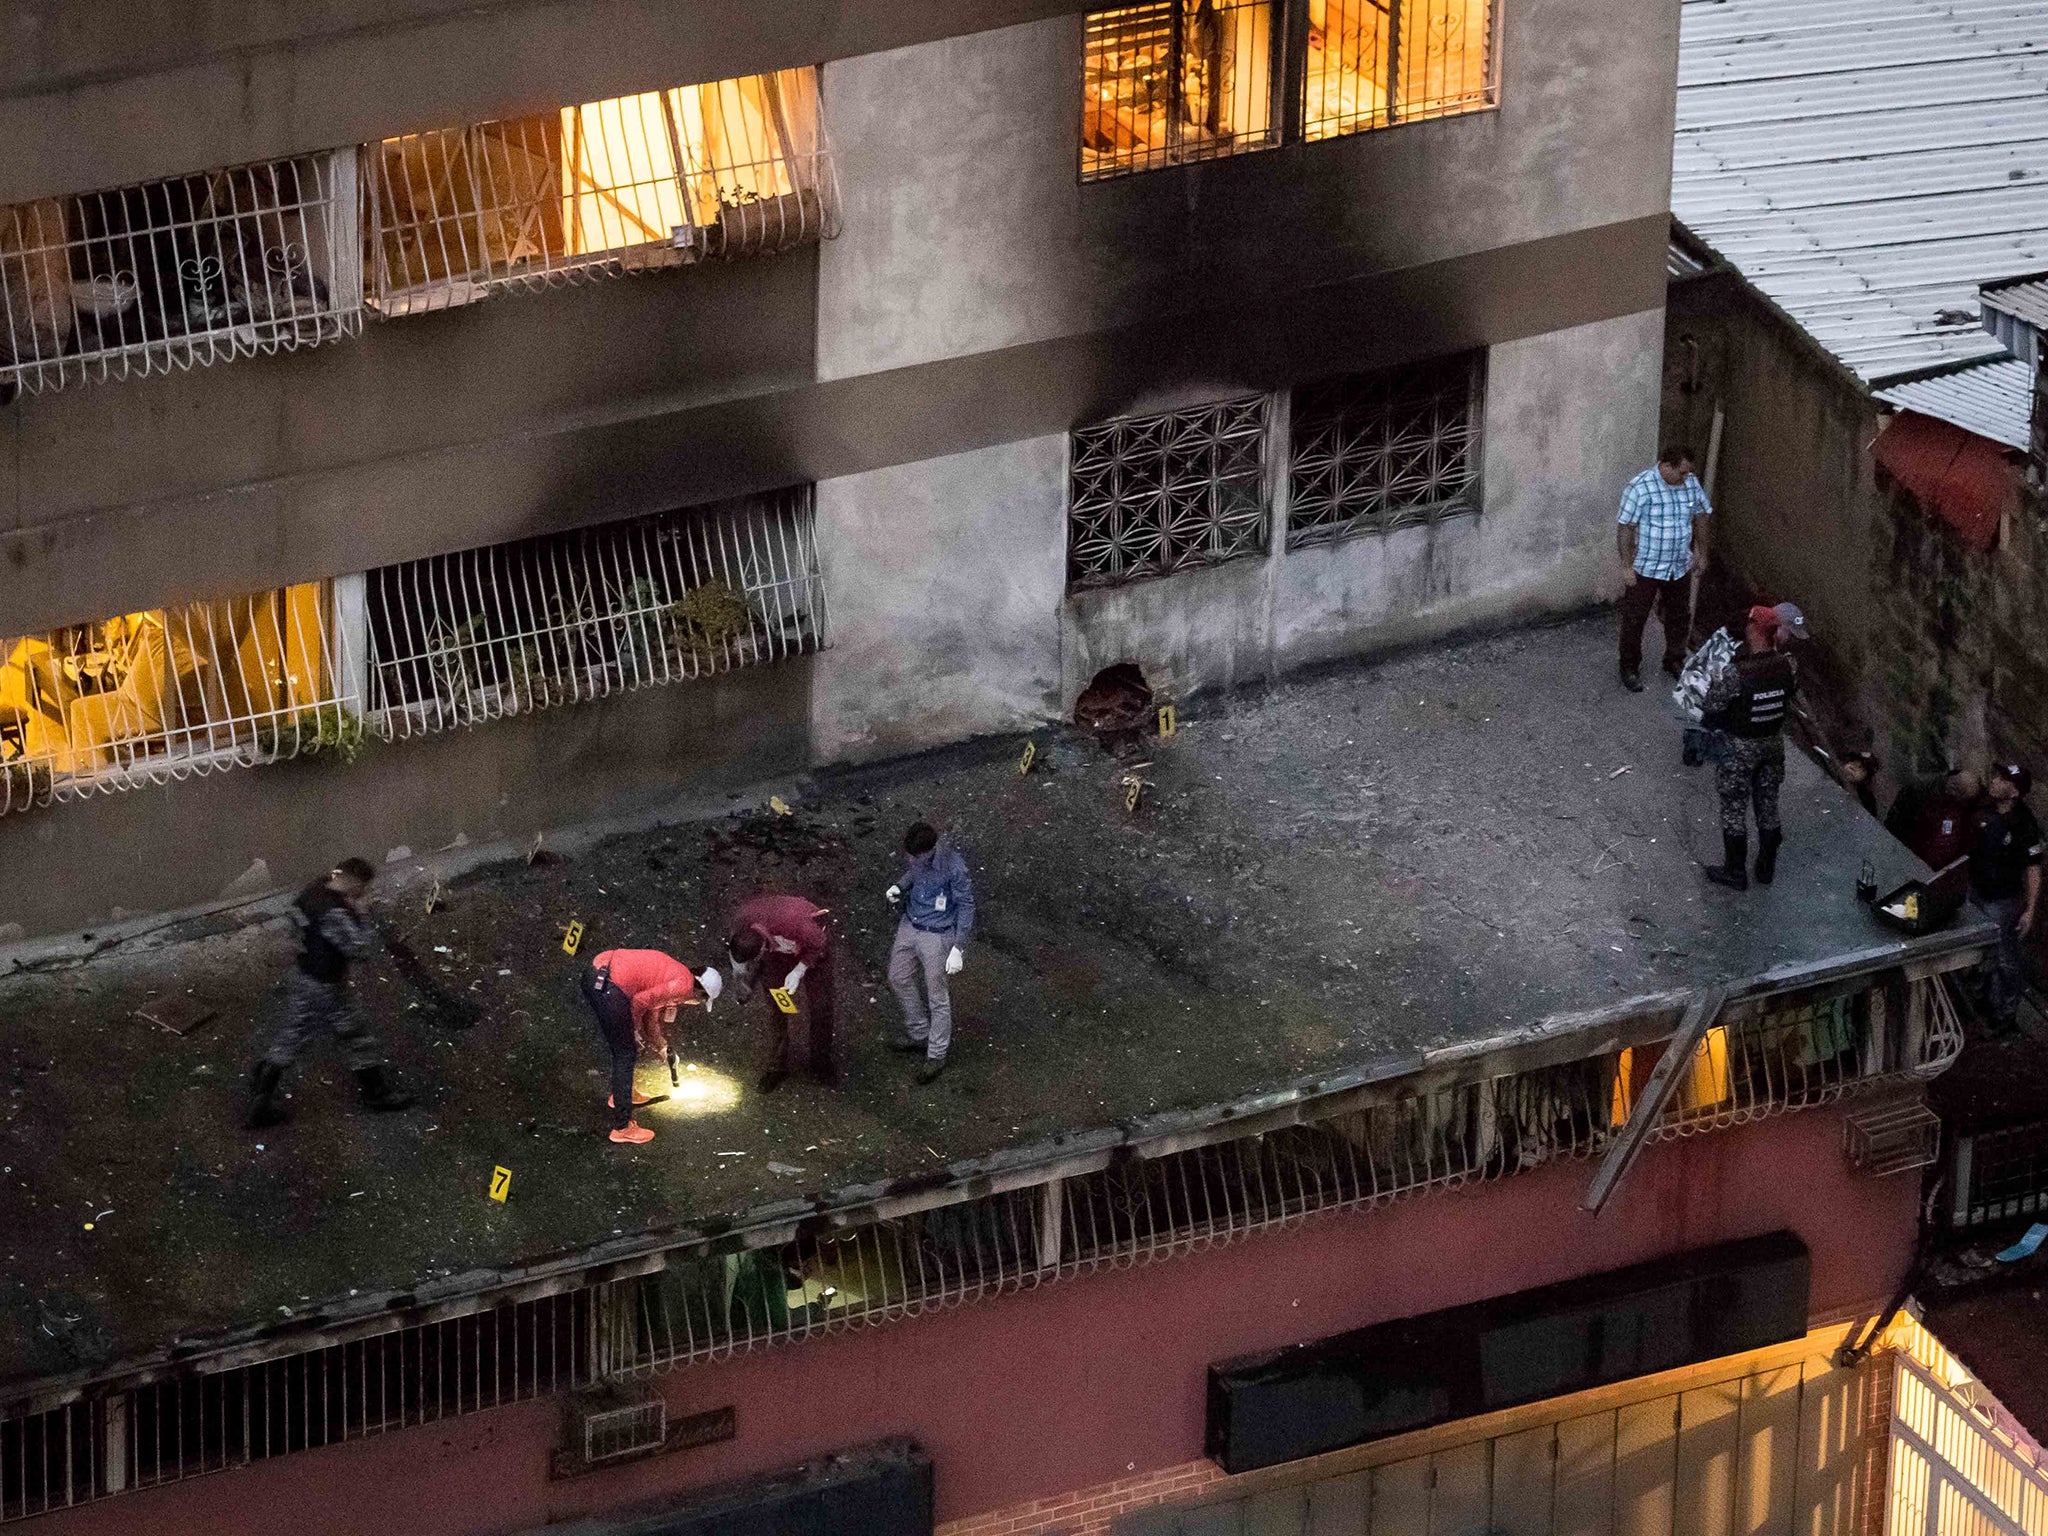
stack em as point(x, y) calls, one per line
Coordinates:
point(633, 993)
point(1747, 705)
point(777, 943)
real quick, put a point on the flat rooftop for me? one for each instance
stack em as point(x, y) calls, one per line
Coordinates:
point(1338, 873)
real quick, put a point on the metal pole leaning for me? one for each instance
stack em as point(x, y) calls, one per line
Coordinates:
point(1693, 1024)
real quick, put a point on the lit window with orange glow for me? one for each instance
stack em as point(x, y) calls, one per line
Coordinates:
point(1376, 62)
point(147, 697)
point(1176, 80)
point(732, 168)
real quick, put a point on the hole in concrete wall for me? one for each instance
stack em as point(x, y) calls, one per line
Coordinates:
point(1116, 705)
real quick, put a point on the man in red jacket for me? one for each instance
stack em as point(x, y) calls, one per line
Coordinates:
point(633, 993)
point(778, 944)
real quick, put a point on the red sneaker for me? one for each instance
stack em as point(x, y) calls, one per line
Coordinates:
point(639, 1099)
point(633, 1133)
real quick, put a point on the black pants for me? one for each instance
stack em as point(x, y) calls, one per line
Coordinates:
point(1669, 599)
point(613, 1011)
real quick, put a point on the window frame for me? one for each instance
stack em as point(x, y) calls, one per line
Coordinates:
point(1468, 500)
point(1086, 574)
point(1173, 154)
point(1288, 79)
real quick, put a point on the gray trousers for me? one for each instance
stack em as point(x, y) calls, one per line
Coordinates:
point(315, 1007)
point(914, 951)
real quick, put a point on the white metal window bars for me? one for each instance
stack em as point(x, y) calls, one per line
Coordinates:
point(1384, 450)
point(1372, 63)
point(1126, 1210)
point(164, 694)
point(171, 274)
point(733, 168)
point(1133, 1210)
point(1151, 495)
point(1172, 81)
point(463, 638)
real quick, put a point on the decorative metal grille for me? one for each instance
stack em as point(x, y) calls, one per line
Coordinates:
point(171, 274)
point(1174, 81)
point(149, 697)
point(1376, 62)
point(1156, 494)
point(1384, 450)
point(462, 638)
point(734, 168)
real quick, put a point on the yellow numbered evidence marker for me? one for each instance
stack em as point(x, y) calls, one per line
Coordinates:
point(1168, 721)
point(573, 937)
point(1133, 789)
point(782, 999)
point(501, 1184)
point(1030, 756)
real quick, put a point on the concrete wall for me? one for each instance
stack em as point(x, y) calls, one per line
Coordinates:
point(96, 95)
point(944, 580)
point(243, 833)
point(967, 227)
point(1089, 1380)
point(1568, 418)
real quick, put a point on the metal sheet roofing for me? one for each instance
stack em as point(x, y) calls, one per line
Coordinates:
point(1868, 163)
point(1992, 399)
point(2024, 300)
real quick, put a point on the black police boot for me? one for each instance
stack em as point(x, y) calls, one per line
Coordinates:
point(1734, 872)
point(378, 1093)
point(1767, 857)
point(266, 1103)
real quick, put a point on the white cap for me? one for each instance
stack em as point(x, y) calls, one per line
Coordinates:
point(712, 983)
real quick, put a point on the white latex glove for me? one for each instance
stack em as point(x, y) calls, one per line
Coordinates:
point(796, 974)
point(954, 964)
point(895, 894)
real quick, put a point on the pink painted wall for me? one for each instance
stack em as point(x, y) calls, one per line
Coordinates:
point(1089, 1379)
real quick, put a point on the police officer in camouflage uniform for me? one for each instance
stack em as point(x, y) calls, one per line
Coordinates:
point(1747, 705)
point(333, 930)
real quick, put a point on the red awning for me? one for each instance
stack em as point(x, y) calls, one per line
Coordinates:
point(1964, 480)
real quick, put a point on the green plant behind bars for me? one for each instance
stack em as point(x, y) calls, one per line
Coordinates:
point(327, 730)
point(711, 617)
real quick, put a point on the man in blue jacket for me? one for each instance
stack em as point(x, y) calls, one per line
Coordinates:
point(937, 902)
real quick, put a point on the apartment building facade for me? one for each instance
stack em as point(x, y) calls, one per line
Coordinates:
point(403, 455)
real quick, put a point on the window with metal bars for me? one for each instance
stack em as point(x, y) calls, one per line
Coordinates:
point(1151, 495)
point(1383, 450)
point(1371, 63)
point(1176, 80)
point(207, 1423)
point(733, 168)
point(145, 698)
point(171, 274)
point(49, 1461)
point(485, 633)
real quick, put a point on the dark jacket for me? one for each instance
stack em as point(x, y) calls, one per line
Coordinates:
point(330, 932)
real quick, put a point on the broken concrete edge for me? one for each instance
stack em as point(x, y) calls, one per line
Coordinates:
point(1641, 1020)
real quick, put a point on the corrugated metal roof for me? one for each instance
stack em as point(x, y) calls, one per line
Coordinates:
point(2026, 300)
point(1992, 399)
point(1868, 163)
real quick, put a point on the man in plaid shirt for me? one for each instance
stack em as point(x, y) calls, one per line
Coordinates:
point(1662, 537)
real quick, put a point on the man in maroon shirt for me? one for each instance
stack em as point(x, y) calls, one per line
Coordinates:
point(778, 944)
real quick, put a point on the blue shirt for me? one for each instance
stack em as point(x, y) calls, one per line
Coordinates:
point(1662, 516)
point(937, 895)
